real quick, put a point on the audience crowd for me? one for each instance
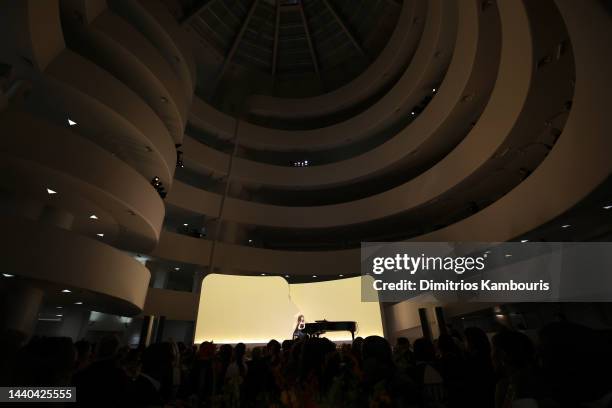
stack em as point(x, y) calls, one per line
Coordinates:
point(568, 365)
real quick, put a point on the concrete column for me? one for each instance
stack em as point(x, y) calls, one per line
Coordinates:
point(146, 331)
point(425, 326)
point(159, 331)
point(160, 278)
point(198, 276)
point(441, 320)
point(19, 305)
point(159, 275)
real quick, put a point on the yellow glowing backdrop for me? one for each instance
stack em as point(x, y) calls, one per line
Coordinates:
point(255, 309)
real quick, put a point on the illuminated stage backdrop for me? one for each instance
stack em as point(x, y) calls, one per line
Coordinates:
point(254, 309)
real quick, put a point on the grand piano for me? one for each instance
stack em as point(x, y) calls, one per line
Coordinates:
point(321, 326)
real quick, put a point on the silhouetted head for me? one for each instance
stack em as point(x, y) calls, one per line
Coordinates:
point(447, 345)
point(402, 343)
point(376, 347)
point(157, 360)
point(206, 351)
point(356, 347)
point(256, 353)
point(286, 345)
point(477, 342)
point(107, 347)
point(132, 363)
point(512, 350)
point(225, 353)
point(424, 350)
point(313, 354)
point(273, 348)
point(46, 361)
point(576, 361)
point(239, 351)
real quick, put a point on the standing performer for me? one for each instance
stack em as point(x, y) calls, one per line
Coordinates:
point(301, 324)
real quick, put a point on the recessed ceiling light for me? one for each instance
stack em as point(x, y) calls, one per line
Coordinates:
point(341, 275)
point(176, 268)
point(263, 274)
point(607, 207)
point(66, 290)
point(524, 240)
point(50, 192)
point(286, 276)
point(93, 217)
point(78, 303)
point(508, 255)
point(566, 226)
point(71, 122)
point(100, 235)
point(314, 276)
point(60, 307)
point(7, 275)
point(412, 113)
point(434, 90)
point(184, 225)
point(59, 315)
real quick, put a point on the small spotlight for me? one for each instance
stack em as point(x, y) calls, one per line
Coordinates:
point(412, 113)
point(524, 240)
point(566, 226)
point(499, 315)
point(314, 276)
point(58, 315)
point(508, 255)
point(7, 275)
point(78, 303)
point(50, 192)
point(176, 268)
point(607, 207)
point(71, 122)
point(93, 217)
point(66, 290)
point(59, 307)
point(185, 225)
point(286, 276)
point(263, 274)
point(100, 235)
point(434, 90)
point(340, 275)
